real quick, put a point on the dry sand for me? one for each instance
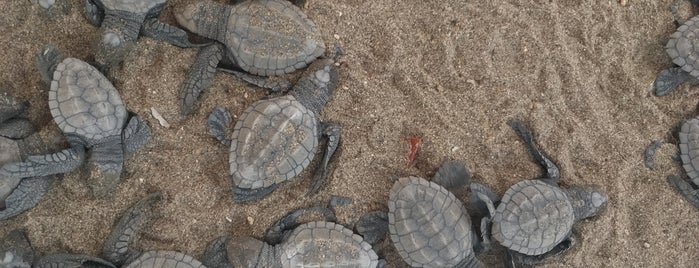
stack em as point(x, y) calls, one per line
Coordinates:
point(452, 72)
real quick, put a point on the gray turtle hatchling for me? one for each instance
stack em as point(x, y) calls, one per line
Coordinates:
point(91, 115)
point(689, 153)
point(534, 219)
point(288, 244)
point(684, 51)
point(260, 38)
point(119, 249)
point(17, 142)
point(276, 138)
point(123, 21)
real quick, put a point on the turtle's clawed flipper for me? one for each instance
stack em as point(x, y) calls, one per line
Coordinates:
point(452, 174)
point(219, 123)
point(552, 171)
point(157, 30)
point(94, 12)
point(276, 84)
point(44, 165)
point(47, 61)
point(518, 260)
point(16, 128)
point(669, 80)
point(200, 76)
point(373, 226)
point(685, 189)
point(136, 134)
point(216, 253)
point(332, 131)
point(25, 196)
point(289, 222)
point(72, 260)
point(117, 249)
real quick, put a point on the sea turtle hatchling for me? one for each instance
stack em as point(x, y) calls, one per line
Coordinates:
point(17, 140)
point(119, 250)
point(261, 38)
point(290, 244)
point(689, 154)
point(276, 138)
point(534, 219)
point(683, 49)
point(122, 21)
point(427, 224)
point(91, 115)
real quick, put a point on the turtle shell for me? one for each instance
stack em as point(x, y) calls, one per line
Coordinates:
point(84, 103)
point(429, 226)
point(164, 259)
point(683, 46)
point(533, 217)
point(274, 140)
point(271, 37)
point(326, 244)
point(689, 148)
point(134, 6)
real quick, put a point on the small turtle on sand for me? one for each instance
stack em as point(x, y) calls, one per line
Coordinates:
point(534, 219)
point(683, 48)
point(118, 248)
point(91, 115)
point(689, 154)
point(16, 142)
point(290, 244)
point(17, 252)
point(275, 139)
point(427, 224)
point(255, 38)
point(123, 21)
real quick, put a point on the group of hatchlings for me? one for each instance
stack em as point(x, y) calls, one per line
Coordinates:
point(277, 138)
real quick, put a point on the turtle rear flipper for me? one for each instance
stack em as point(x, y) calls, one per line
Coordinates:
point(685, 189)
point(117, 248)
point(219, 122)
point(669, 80)
point(135, 135)
point(552, 171)
point(200, 76)
point(71, 260)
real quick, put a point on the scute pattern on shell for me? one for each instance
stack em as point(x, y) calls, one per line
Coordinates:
point(533, 217)
point(428, 225)
point(135, 6)
point(326, 244)
point(683, 46)
point(273, 141)
point(84, 102)
point(272, 37)
point(689, 148)
point(165, 259)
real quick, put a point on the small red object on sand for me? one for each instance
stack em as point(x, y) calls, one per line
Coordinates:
point(414, 147)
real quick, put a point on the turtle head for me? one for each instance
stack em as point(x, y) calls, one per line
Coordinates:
point(587, 201)
point(204, 18)
point(317, 85)
point(111, 50)
point(247, 251)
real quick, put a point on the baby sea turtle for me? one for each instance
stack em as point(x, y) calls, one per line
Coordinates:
point(534, 219)
point(260, 38)
point(17, 252)
point(684, 53)
point(689, 153)
point(427, 224)
point(123, 21)
point(91, 115)
point(17, 141)
point(276, 138)
point(118, 248)
point(288, 244)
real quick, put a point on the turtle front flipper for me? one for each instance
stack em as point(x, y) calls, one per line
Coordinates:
point(452, 174)
point(71, 260)
point(332, 131)
point(117, 249)
point(25, 196)
point(275, 84)
point(135, 135)
point(216, 253)
point(515, 259)
point(16, 128)
point(289, 222)
point(373, 226)
point(43, 165)
point(552, 171)
point(47, 61)
point(157, 30)
point(219, 122)
point(669, 80)
point(94, 12)
point(200, 76)
point(685, 189)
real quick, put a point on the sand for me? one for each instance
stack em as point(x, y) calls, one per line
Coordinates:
point(579, 73)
